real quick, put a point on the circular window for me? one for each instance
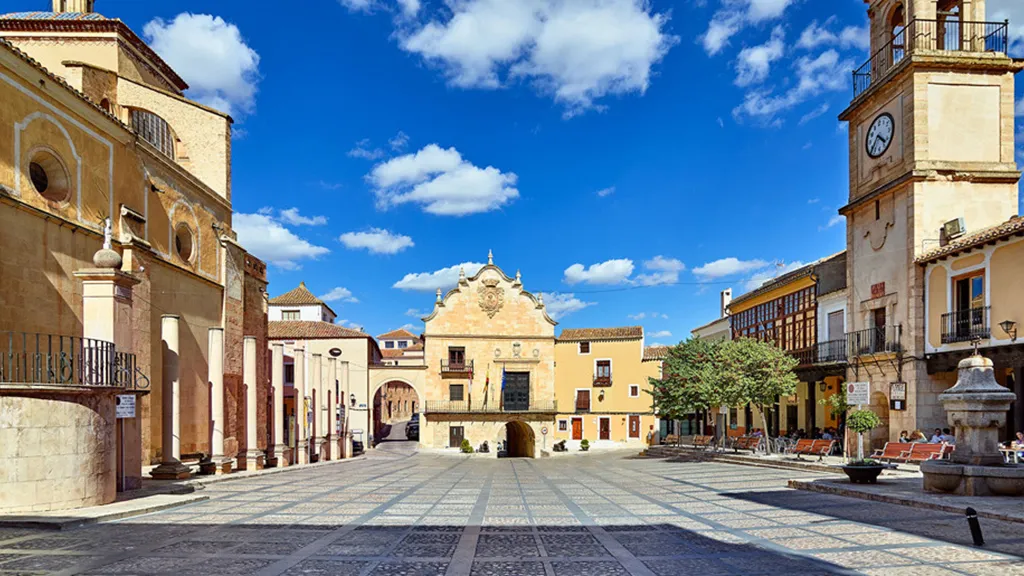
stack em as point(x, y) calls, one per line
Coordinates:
point(48, 176)
point(183, 243)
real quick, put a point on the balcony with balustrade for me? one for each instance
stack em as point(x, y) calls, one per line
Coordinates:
point(491, 406)
point(457, 369)
point(877, 340)
point(966, 325)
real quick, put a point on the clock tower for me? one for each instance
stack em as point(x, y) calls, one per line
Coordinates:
point(931, 139)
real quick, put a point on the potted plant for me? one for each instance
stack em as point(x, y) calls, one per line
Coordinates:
point(861, 470)
point(466, 447)
point(584, 445)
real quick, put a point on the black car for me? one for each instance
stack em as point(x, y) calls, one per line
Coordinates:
point(412, 431)
point(357, 446)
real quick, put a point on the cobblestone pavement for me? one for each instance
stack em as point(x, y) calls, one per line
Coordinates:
point(595, 515)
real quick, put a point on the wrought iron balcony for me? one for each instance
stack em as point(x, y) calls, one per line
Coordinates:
point(50, 360)
point(931, 35)
point(451, 369)
point(966, 325)
point(492, 406)
point(603, 381)
point(879, 340)
point(831, 352)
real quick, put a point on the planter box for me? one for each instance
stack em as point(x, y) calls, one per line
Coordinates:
point(864, 474)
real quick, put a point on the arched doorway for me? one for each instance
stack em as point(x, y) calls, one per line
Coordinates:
point(396, 407)
point(519, 440)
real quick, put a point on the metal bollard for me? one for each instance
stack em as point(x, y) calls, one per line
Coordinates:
point(972, 521)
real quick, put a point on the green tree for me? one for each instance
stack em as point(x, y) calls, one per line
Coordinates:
point(759, 373)
point(861, 421)
point(692, 379)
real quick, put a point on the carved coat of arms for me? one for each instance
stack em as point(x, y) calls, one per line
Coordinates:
point(492, 297)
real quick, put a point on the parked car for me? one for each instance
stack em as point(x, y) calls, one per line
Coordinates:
point(357, 447)
point(412, 431)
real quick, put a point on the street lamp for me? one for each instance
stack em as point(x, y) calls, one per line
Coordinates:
point(822, 386)
point(1010, 327)
point(352, 398)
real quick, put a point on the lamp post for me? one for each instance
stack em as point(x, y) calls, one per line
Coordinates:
point(1010, 328)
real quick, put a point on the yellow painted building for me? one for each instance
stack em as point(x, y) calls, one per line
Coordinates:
point(602, 387)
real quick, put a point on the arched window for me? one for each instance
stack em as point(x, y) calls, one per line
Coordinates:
point(949, 33)
point(898, 29)
point(153, 129)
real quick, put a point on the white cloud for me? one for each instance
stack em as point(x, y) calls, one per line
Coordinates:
point(833, 221)
point(292, 216)
point(409, 7)
point(1012, 10)
point(605, 192)
point(576, 51)
point(365, 151)
point(359, 5)
point(268, 240)
point(414, 313)
point(754, 63)
point(814, 113)
point(652, 315)
point(638, 316)
point(211, 56)
point(410, 327)
point(814, 200)
point(430, 281)
point(735, 15)
point(775, 271)
point(609, 272)
point(849, 37)
point(399, 142)
point(560, 305)
point(442, 183)
point(663, 271)
point(339, 294)
point(377, 241)
point(349, 324)
point(1019, 109)
point(659, 334)
point(824, 73)
point(728, 267)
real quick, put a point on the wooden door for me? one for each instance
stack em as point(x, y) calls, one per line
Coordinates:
point(605, 431)
point(517, 391)
point(577, 428)
point(634, 426)
point(455, 436)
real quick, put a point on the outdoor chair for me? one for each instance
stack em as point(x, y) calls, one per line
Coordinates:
point(893, 452)
point(924, 451)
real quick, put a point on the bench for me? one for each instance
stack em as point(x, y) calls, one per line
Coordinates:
point(746, 443)
point(924, 451)
point(819, 448)
point(671, 439)
point(893, 451)
point(703, 442)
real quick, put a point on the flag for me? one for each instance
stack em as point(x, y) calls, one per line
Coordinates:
point(469, 391)
point(502, 386)
point(487, 384)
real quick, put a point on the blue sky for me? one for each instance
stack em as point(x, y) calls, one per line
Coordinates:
point(631, 159)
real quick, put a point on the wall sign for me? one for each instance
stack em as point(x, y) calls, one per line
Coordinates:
point(898, 391)
point(878, 290)
point(858, 393)
point(125, 407)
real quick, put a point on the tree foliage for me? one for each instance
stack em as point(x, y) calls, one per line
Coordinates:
point(862, 421)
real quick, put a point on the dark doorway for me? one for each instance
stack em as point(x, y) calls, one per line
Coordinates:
point(605, 429)
point(455, 436)
point(516, 393)
point(519, 440)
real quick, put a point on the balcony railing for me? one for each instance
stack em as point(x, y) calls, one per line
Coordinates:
point(966, 325)
point(934, 35)
point(492, 406)
point(603, 381)
point(46, 359)
point(879, 340)
point(450, 369)
point(831, 352)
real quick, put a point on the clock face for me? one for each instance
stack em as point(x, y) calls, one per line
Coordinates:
point(880, 135)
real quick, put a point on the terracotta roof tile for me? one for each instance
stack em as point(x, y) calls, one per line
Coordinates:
point(297, 297)
point(417, 347)
point(392, 353)
point(621, 333)
point(400, 334)
point(310, 329)
point(655, 352)
point(1012, 227)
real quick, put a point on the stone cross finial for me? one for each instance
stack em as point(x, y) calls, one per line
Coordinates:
point(438, 295)
point(540, 299)
point(490, 258)
point(108, 232)
point(462, 275)
point(519, 277)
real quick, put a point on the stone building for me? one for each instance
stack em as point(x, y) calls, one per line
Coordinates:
point(401, 348)
point(99, 130)
point(601, 382)
point(490, 366)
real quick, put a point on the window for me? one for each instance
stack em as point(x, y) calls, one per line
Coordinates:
point(290, 314)
point(455, 392)
point(969, 291)
point(563, 425)
point(456, 358)
point(183, 242)
point(289, 373)
point(49, 177)
point(584, 347)
point(733, 418)
point(389, 344)
point(634, 390)
point(603, 369)
point(836, 325)
point(583, 400)
point(878, 210)
point(154, 130)
point(403, 343)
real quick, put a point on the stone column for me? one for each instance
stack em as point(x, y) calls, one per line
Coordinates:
point(316, 395)
point(220, 463)
point(301, 442)
point(344, 438)
point(170, 467)
point(331, 435)
point(277, 451)
point(252, 455)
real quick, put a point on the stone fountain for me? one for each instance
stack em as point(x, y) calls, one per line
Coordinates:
point(977, 407)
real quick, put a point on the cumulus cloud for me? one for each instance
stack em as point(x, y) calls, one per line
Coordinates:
point(605, 192)
point(814, 76)
point(441, 182)
point(662, 271)
point(377, 241)
point(359, 5)
point(339, 294)
point(363, 150)
point(816, 35)
point(349, 324)
point(292, 216)
point(775, 271)
point(270, 241)
point(559, 305)
point(414, 313)
point(444, 278)
point(728, 267)
point(222, 71)
point(754, 63)
point(609, 272)
point(652, 315)
point(1019, 109)
point(577, 52)
point(399, 141)
point(735, 15)
point(659, 334)
point(1012, 10)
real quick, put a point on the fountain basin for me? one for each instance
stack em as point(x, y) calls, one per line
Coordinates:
point(967, 480)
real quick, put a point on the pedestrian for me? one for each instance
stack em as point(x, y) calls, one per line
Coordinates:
point(937, 436)
point(947, 437)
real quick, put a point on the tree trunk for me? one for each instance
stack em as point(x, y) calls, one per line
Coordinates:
point(764, 427)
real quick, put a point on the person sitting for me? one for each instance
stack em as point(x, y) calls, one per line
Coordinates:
point(947, 437)
point(904, 437)
point(827, 434)
point(816, 434)
point(937, 436)
point(917, 436)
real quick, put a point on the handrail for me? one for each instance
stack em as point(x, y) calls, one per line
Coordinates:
point(878, 340)
point(49, 359)
point(966, 325)
point(492, 406)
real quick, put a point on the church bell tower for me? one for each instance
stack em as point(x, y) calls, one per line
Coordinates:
point(931, 139)
point(73, 5)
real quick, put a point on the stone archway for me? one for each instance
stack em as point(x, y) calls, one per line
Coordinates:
point(520, 441)
point(395, 403)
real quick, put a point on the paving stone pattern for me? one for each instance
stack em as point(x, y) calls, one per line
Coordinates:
point(602, 515)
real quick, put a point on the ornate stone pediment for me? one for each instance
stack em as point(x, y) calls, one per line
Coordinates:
point(491, 296)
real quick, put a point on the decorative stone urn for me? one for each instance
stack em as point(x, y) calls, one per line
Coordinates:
point(977, 407)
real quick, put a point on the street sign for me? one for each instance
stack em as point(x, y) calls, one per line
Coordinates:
point(544, 430)
point(125, 406)
point(898, 391)
point(858, 393)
